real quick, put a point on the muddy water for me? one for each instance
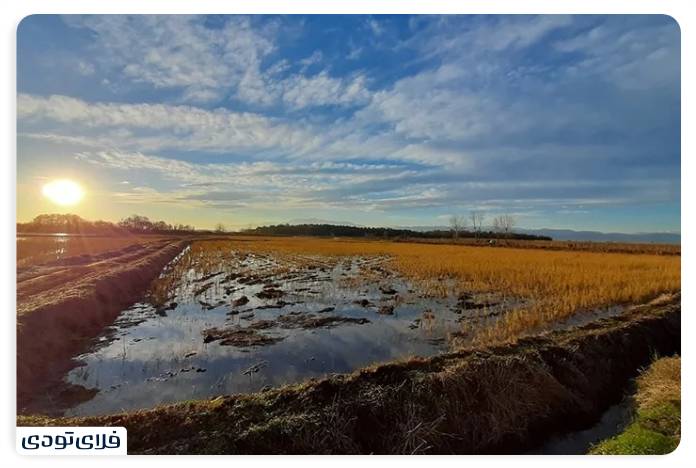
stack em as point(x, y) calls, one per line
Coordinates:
point(612, 422)
point(154, 355)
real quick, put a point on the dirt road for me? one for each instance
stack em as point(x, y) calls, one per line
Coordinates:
point(62, 305)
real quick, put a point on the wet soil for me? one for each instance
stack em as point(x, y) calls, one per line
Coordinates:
point(63, 305)
point(505, 399)
point(298, 314)
point(304, 316)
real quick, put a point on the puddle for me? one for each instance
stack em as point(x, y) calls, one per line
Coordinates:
point(230, 321)
point(613, 421)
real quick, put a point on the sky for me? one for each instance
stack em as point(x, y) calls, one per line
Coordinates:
point(561, 121)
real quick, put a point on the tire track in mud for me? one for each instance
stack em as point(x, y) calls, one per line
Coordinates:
point(61, 308)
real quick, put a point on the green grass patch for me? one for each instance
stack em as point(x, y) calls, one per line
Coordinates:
point(656, 429)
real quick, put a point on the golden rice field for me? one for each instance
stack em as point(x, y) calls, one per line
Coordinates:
point(551, 285)
point(584, 246)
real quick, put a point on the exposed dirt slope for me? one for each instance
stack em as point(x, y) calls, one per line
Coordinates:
point(61, 306)
point(497, 400)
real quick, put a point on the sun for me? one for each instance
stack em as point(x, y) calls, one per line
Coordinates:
point(63, 192)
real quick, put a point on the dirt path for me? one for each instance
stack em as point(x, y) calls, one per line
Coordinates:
point(61, 306)
point(498, 400)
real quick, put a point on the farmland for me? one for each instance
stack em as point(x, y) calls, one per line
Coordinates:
point(554, 284)
point(238, 315)
point(40, 249)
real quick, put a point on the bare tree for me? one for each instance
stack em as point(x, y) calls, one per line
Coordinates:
point(476, 218)
point(457, 225)
point(219, 227)
point(504, 224)
point(508, 224)
point(497, 224)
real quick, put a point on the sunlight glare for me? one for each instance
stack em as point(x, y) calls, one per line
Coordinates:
point(63, 192)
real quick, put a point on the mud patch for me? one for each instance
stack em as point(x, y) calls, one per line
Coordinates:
point(240, 337)
point(309, 321)
point(270, 293)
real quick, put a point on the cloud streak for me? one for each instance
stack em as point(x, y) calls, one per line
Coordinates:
point(426, 114)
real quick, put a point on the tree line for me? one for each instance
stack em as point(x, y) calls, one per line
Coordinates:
point(74, 224)
point(331, 230)
point(138, 224)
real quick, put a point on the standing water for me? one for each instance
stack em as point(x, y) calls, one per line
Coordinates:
point(239, 322)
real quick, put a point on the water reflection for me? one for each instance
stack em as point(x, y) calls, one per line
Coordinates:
point(155, 353)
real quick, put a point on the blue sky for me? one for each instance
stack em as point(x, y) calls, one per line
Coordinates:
point(562, 121)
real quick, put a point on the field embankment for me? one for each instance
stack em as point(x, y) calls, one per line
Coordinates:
point(64, 304)
point(502, 399)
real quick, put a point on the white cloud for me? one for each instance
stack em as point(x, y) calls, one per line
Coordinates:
point(161, 125)
point(517, 31)
point(355, 51)
point(436, 105)
point(481, 39)
point(263, 184)
point(178, 51)
point(85, 68)
point(316, 57)
point(210, 64)
point(375, 26)
point(630, 57)
point(477, 121)
point(320, 90)
point(157, 127)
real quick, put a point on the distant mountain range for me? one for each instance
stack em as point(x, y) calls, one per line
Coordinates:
point(593, 236)
point(646, 237)
point(556, 234)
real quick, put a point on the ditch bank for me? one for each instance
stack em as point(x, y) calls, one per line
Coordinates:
point(60, 308)
point(505, 399)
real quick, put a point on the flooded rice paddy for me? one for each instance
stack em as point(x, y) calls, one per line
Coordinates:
point(242, 322)
point(233, 321)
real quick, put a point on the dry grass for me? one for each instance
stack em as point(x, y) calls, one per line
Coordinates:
point(553, 284)
point(581, 246)
point(660, 383)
